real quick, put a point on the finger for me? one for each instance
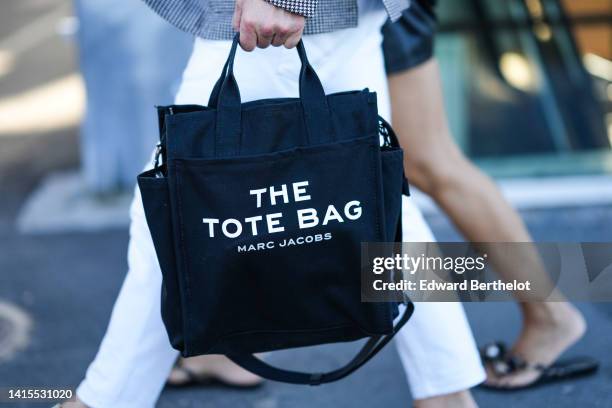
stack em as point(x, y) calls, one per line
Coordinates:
point(293, 39)
point(248, 38)
point(237, 16)
point(264, 36)
point(281, 33)
point(278, 40)
point(264, 42)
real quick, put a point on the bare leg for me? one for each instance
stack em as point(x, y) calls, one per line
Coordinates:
point(435, 165)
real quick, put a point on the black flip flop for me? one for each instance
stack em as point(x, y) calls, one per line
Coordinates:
point(196, 380)
point(503, 362)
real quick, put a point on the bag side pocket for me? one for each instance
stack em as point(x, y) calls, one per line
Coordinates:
point(156, 202)
point(393, 178)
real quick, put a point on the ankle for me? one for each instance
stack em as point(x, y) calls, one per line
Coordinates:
point(209, 361)
point(460, 399)
point(553, 315)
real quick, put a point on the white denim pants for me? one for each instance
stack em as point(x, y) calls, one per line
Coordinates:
point(436, 346)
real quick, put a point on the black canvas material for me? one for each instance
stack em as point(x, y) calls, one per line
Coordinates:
point(249, 270)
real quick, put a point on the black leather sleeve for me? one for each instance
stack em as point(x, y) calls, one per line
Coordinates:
point(409, 41)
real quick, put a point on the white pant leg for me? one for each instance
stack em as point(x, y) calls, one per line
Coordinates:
point(436, 346)
point(135, 356)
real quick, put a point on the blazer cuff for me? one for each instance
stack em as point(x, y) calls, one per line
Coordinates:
point(304, 8)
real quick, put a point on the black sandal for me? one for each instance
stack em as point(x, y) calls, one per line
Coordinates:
point(197, 380)
point(503, 362)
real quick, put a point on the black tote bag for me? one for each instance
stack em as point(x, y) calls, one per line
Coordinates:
point(257, 212)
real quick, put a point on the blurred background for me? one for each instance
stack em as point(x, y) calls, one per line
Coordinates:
point(529, 83)
point(528, 86)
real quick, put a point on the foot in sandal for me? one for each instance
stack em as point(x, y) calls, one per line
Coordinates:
point(211, 369)
point(549, 329)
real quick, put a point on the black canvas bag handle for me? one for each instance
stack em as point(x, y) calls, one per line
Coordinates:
point(370, 349)
point(225, 97)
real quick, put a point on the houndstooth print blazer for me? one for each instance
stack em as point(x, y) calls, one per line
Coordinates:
point(212, 19)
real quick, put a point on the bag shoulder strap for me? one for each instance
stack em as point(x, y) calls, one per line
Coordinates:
point(370, 349)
